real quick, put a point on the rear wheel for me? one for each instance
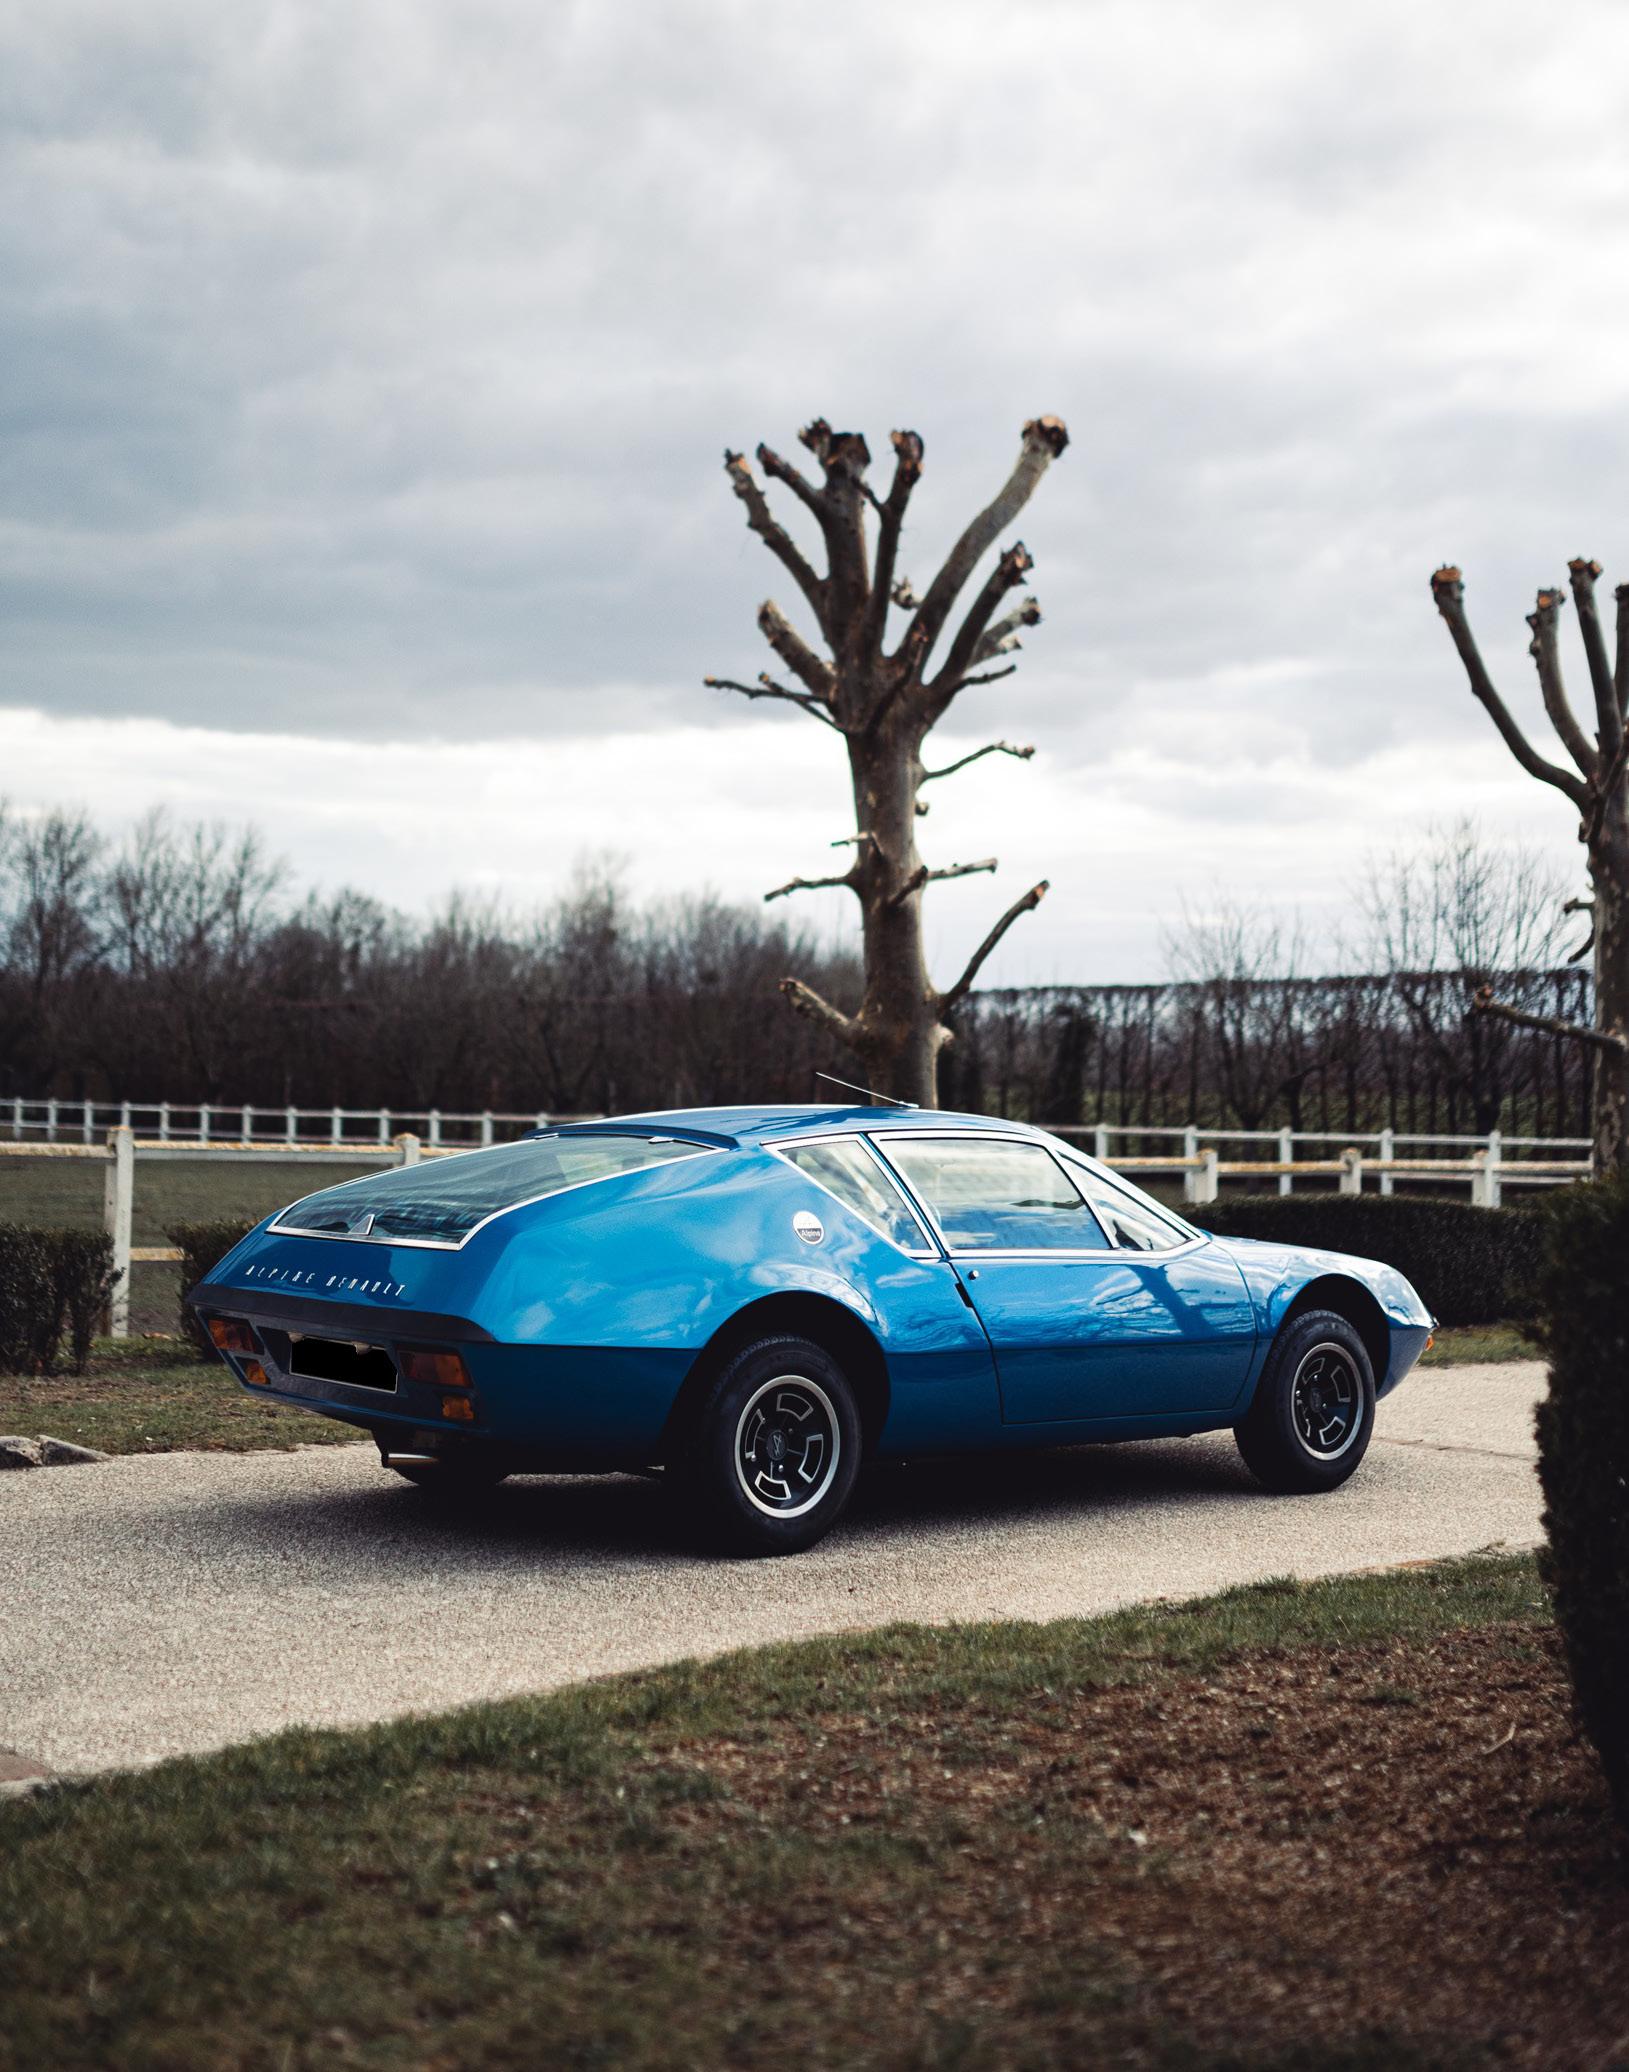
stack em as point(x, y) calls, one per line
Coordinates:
point(1313, 1412)
point(775, 1449)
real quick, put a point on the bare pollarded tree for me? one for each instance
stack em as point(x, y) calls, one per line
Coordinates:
point(884, 696)
point(1598, 785)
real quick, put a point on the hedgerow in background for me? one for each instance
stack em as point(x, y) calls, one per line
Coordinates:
point(52, 1283)
point(1583, 1434)
point(202, 1245)
point(1471, 1266)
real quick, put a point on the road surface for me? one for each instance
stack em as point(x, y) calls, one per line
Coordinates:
point(157, 1606)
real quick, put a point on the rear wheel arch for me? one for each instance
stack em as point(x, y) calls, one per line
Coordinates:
point(826, 1323)
point(1351, 1300)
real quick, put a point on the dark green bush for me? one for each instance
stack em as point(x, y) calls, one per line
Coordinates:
point(201, 1246)
point(52, 1282)
point(1583, 1434)
point(1471, 1266)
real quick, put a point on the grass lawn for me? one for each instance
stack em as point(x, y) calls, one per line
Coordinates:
point(1298, 1825)
point(1456, 1344)
point(67, 1192)
point(150, 1395)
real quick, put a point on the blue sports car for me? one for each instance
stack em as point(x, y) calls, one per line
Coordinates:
point(756, 1300)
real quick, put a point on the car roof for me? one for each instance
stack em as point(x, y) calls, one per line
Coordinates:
point(806, 1118)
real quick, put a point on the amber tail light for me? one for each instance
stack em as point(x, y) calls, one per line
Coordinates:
point(232, 1335)
point(438, 1370)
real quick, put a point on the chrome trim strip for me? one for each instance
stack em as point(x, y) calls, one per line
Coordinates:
point(441, 1244)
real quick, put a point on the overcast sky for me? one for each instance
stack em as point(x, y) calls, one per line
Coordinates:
point(367, 372)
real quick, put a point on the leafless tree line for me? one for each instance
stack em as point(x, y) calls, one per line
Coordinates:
point(174, 966)
point(1244, 1036)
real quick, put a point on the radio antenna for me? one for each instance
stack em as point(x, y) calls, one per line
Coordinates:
point(887, 1100)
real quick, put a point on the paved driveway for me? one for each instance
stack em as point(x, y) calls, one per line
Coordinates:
point(150, 1607)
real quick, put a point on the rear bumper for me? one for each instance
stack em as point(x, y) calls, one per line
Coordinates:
point(557, 1406)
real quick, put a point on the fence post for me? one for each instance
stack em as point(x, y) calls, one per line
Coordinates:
point(486, 1127)
point(384, 1125)
point(435, 1129)
point(1351, 1170)
point(203, 1123)
point(1496, 1154)
point(17, 1117)
point(50, 1122)
point(247, 1118)
point(336, 1127)
point(1190, 1174)
point(163, 1122)
point(1286, 1155)
point(407, 1150)
point(88, 1126)
point(1206, 1180)
point(1388, 1151)
point(118, 1198)
point(1100, 1143)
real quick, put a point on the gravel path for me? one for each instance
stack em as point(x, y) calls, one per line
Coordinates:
point(154, 1607)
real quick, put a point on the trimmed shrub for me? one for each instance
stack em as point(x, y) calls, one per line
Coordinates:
point(1583, 1434)
point(1471, 1266)
point(202, 1245)
point(52, 1282)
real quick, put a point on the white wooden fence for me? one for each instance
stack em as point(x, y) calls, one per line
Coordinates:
point(1484, 1169)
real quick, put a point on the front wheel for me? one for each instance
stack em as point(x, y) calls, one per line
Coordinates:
point(775, 1450)
point(1313, 1412)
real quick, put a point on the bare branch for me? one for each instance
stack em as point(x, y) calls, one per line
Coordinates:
point(923, 876)
point(808, 1002)
point(1605, 784)
point(1448, 590)
point(1584, 947)
point(989, 748)
point(846, 878)
point(963, 986)
point(775, 537)
point(1044, 439)
point(1007, 574)
point(1608, 720)
point(1546, 652)
point(1621, 674)
point(802, 488)
point(907, 470)
point(1548, 1024)
point(969, 683)
point(844, 458)
point(1002, 637)
point(766, 687)
point(795, 652)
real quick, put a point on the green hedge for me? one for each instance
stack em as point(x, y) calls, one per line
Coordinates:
point(1583, 1434)
point(201, 1245)
point(1471, 1266)
point(54, 1284)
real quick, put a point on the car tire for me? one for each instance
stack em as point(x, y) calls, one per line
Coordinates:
point(773, 1451)
point(1310, 1422)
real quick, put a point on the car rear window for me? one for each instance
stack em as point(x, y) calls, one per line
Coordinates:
point(441, 1201)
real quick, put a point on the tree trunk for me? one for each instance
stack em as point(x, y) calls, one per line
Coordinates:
point(1609, 875)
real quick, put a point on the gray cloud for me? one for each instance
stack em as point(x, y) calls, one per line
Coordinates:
point(368, 369)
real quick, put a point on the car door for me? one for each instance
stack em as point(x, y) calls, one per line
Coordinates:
point(1094, 1309)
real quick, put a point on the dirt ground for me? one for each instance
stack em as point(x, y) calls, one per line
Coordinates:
point(1391, 1854)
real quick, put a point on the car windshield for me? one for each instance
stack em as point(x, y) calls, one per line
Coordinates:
point(443, 1200)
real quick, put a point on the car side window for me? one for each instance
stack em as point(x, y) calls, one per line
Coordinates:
point(999, 1196)
point(1133, 1228)
point(854, 1176)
